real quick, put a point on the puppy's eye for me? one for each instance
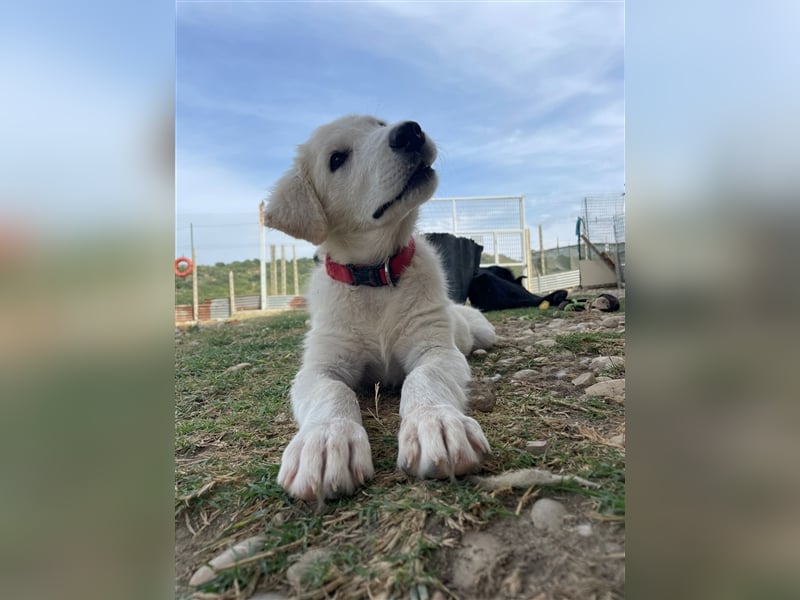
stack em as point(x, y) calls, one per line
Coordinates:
point(337, 160)
point(382, 123)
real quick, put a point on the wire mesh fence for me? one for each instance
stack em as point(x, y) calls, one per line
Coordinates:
point(483, 213)
point(495, 222)
point(604, 218)
point(232, 242)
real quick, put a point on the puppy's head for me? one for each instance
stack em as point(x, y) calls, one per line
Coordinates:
point(355, 174)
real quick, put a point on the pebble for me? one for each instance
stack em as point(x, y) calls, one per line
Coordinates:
point(507, 362)
point(304, 564)
point(479, 352)
point(611, 322)
point(601, 363)
point(584, 529)
point(482, 398)
point(548, 514)
point(584, 379)
point(536, 447)
point(546, 343)
point(238, 367)
point(614, 388)
point(524, 374)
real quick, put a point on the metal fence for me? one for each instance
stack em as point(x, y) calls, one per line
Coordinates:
point(220, 308)
point(495, 222)
point(604, 218)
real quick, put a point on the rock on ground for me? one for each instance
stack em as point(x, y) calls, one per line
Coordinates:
point(613, 388)
point(548, 514)
point(304, 564)
point(602, 363)
point(584, 379)
point(524, 374)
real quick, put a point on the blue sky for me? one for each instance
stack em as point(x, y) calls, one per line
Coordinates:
point(521, 98)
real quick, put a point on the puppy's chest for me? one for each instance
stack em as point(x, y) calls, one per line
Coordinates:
point(373, 309)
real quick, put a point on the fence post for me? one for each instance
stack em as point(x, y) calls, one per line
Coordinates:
point(263, 255)
point(294, 271)
point(526, 236)
point(283, 270)
point(232, 293)
point(195, 293)
point(542, 262)
point(273, 274)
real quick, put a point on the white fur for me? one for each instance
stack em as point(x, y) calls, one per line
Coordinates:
point(410, 334)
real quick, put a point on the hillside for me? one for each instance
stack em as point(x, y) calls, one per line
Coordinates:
point(213, 280)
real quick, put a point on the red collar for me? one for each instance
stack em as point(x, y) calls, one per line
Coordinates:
point(387, 273)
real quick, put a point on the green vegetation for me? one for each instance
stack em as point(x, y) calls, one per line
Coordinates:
point(590, 343)
point(213, 280)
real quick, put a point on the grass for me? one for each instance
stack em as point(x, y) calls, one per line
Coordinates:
point(590, 343)
point(232, 425)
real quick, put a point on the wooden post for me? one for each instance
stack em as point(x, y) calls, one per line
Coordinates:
point(263, 244)
point(232, 292)
point(294, 269)
point(542, 265)
point(273, 274)
point(283, 270)
point(529, 261)
point(195, 293)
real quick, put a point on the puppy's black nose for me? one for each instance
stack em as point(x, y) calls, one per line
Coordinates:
point(407, 137)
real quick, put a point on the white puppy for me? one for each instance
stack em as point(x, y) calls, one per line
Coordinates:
point(379, 310)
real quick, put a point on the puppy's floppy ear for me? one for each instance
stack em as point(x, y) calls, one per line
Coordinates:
point(294, 208)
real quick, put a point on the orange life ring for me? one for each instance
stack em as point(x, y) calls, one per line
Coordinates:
point(185, 272)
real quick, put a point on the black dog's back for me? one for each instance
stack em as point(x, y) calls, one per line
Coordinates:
point(492, 291)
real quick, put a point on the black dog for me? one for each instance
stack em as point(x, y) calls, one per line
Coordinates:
point(495, 288)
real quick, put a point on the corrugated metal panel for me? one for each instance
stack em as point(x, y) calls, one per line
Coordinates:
point(204, 310)
point(220, 308)
point(556, 281)
point(183, 313)
point(284, 302)
point(248, 302)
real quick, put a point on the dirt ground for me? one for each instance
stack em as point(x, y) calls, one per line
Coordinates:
point(584, 558)
point(526, 397)
point(512, 558)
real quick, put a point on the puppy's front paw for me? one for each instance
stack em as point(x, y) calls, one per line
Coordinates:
point(440, 441)
point(326, 461)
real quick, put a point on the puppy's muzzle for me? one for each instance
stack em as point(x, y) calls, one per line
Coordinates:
point(407, 137)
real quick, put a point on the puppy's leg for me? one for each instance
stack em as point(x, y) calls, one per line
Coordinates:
point(436, 438)
point(330, 454)
point(473, 325)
